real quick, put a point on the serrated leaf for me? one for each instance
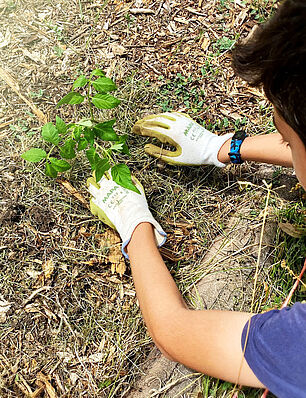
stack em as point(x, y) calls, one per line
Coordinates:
point(89, 135)
point(71, 98)
point(92, 157)
point(125, 149)
point(97, 72)
point(296, 231)
point(105, 101)
point(60, 164)
point(83, 143)
point(50, 171)
point(77, 131)
point(49, 133)
point(60, 125)
point(105, 131)
point(81, 81)
point(101, 167)
point(122, 176)
point(104, 85)
point(34, 155)
point(67, 150)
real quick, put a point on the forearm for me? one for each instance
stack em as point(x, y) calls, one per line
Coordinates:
point(261, 148)
point(156, 290)
point(207, 341)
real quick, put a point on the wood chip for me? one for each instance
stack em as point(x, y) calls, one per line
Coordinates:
point(111, 240)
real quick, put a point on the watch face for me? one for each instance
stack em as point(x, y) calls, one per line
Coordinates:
point(239, 135)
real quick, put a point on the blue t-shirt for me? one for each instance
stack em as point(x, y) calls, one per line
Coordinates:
point(276, 350)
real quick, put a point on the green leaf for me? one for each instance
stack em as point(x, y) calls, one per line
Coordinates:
point(81, 81)
point(117, 147)
point(97, 72)
point(60, 125)
point(105, 101)
point(83, 143)
point(85, 123)
point(121, 175)
point(71, 98)
point(34, 155)
point(92, 157)
point(77, 131)
point(60, 164)
point(50, 171)
point(104, 85)
point(101, 167)
point(67, 150)
point(105, 131)
point(49, 133)
point(89, 135)
point(122, 140)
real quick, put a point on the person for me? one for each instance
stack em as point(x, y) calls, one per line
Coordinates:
point(209, 341)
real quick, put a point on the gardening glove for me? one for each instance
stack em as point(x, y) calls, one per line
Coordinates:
point(122, 209)
point(194, 144)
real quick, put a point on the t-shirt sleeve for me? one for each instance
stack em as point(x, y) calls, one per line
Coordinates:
point(276, 350)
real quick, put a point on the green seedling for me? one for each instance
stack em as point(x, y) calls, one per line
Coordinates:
point(98, 139)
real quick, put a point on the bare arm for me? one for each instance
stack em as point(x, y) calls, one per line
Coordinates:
point(268, 148)
point(207, 341)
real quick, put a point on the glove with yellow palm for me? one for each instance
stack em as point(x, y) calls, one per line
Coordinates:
point(194, 144)
point(122, 209)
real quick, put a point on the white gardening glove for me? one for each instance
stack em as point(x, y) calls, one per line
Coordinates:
point(122, 209)
point(194, 144)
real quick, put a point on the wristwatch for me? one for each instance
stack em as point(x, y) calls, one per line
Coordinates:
point(236, 142)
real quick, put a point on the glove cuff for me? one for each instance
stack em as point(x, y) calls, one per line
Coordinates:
point(220, 140)
point(160, 234)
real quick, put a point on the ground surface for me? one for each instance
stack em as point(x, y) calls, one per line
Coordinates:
point(70, 325)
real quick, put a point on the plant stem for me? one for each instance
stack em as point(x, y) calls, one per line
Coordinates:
point(49, 153)
point(89, 103)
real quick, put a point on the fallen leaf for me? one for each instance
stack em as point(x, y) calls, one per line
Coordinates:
point(48, 387)
point(72, 191)
point(110, 240)
point(296, 231)
point(5, 39)
point(118, 49)
point(48, 268)
point(4, 307)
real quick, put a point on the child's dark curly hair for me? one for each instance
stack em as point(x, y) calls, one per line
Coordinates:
point(275, 58)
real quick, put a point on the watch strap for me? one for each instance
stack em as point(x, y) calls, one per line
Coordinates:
point(236, 142)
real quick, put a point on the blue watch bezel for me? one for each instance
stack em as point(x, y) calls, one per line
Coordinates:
point(236, 142)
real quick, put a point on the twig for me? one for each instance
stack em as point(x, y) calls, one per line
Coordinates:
point(30, 298)
point(15, 87)
point(141, 11)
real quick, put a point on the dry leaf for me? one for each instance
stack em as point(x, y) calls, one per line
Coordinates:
point(118, 49)
point(48, 268)
point(5, 39)
point(296, 231)
point(111, 240)
point(205, 43)
point(48, 387)
point(4, 307)
point(72, 191)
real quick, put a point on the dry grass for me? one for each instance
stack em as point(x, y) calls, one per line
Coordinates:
point(70, 317)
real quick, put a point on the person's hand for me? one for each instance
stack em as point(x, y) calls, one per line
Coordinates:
point(122, 209)
point(194, 144)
